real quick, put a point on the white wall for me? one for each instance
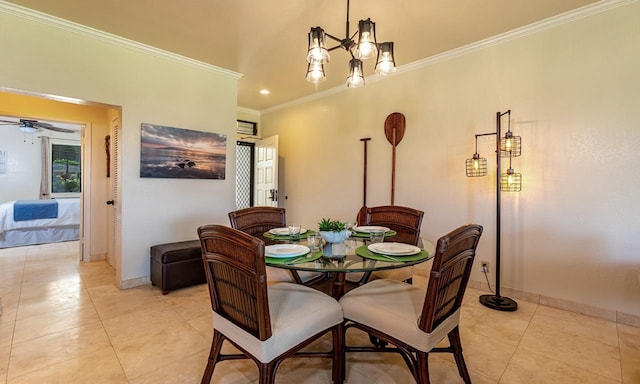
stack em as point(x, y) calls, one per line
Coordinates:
point(150, 88)
point(22, 180)
point(571, 235)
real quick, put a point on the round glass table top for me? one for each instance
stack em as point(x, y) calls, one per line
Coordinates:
point(351, 256)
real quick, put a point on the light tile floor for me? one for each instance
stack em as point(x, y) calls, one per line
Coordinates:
point(66, 322)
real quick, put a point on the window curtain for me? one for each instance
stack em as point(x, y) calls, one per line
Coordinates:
point(45, 180)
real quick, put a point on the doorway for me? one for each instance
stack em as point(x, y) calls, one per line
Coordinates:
point(245, 171)
point(96, 119)
point(257, 173)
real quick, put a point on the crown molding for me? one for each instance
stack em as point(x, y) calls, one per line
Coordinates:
point(527, 30)
point(69, 26)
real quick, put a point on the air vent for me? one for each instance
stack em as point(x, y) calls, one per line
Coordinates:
point(247, 128)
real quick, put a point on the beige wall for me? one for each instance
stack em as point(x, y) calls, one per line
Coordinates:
point(572, 233)
point(150, 87)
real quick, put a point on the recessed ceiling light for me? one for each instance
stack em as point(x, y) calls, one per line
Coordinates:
point(264, 92)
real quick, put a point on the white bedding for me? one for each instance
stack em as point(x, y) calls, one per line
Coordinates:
point(17, 233)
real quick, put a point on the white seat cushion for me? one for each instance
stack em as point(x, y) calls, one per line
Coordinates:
point(278, 275)
point(393, 307)
point(400, 274)
point(297, 313)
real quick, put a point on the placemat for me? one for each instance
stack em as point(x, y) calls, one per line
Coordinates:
point(271, 236)
point(366, 234)
point(363, 251)
point(280, 261)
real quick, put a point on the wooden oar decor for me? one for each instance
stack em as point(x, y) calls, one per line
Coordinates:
point(394, 126)
point(363, 210)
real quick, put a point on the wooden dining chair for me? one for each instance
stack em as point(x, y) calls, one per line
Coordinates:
point(256, 221)
point(413, 321)
point(406, 222)
point(267, 323)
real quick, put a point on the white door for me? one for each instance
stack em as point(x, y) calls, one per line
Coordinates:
point(266, 169)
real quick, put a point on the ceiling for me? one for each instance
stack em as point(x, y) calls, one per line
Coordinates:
point(266, 41)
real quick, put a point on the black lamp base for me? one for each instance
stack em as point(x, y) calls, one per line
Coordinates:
point(499, 303)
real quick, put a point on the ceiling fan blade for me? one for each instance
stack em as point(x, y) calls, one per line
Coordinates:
point(37, 124)
point(6, 122)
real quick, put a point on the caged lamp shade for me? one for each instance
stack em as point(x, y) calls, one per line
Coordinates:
point(476, 166)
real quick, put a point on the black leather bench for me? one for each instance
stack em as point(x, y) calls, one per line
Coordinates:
point(177, 265)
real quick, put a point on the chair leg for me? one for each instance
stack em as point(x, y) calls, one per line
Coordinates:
point(214, 353)
point(267, 372)
point(338, 364)
point(422, 368)
point(343, 352)
point(454, 339)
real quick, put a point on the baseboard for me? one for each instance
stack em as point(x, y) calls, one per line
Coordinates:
point(96, 257)
point(131, 283)
point(571, 306)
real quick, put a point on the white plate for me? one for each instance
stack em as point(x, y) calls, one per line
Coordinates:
point(369, 228)
point(398, 249)
point(284, 231)
point(285, 250)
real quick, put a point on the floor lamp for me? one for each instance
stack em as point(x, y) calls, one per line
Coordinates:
point(508, 146)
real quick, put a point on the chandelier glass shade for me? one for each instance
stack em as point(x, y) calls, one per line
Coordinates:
point(356, 76)
point(315, 73)
point(362, 45)
point(317, 52)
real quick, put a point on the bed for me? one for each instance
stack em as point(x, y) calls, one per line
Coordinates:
point(29, 222)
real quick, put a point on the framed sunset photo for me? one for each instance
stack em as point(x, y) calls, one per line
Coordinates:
point(167, 152)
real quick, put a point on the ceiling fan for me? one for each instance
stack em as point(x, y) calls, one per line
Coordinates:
point(32, 126)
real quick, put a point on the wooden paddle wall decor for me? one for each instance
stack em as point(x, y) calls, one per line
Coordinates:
point(361, 218)
point(394, 127)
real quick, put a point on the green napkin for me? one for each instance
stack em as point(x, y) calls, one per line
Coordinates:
point(366, 234)
point(284, 260)
point(363, 251)
point(271, 236)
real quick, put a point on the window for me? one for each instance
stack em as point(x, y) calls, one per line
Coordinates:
point(66, 175)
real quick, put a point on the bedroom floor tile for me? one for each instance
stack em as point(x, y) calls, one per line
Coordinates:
point(59, 313)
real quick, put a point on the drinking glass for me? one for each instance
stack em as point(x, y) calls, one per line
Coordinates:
point(376, 236)
point(294, 232)
point(314, 240)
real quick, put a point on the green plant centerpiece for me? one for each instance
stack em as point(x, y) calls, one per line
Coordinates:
point(333, 231)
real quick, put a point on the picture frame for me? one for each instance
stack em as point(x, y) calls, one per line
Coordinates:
point(168, 152)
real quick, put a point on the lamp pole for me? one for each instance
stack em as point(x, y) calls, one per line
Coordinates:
point(496, 301)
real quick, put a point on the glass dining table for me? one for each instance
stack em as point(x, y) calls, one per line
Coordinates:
point(338, 259)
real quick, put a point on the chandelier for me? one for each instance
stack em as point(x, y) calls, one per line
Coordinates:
point(361, 45)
